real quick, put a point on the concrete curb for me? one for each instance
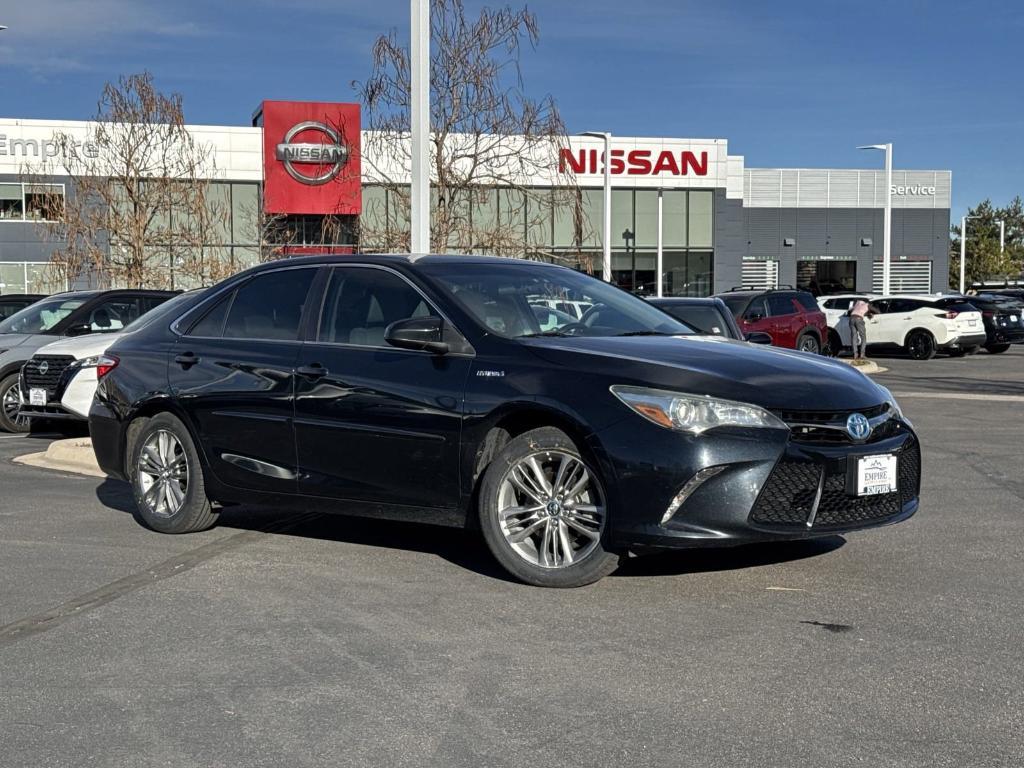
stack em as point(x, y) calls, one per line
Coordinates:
point(74, 455)
point(867, 366)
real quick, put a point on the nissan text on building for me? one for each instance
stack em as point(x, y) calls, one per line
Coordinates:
point(686, 204)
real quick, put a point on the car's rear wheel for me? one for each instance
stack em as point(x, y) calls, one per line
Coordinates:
point(996, 349)
point(808, 342)
point(167, 478)
point(921, 345)
point(10, 403)
point(835, 344)
point(543, 512)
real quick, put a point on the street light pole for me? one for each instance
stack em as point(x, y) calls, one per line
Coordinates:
point(963, 248)
point(419, 125)
point(887, 220)
point(1002, 237)
point(606, 228)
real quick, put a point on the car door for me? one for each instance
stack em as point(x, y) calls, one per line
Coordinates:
point(755, 319)
point(232, 373)
point(373, 422)
point(888, 326)
point(782, 310)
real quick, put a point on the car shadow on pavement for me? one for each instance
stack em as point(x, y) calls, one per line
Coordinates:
point(462, 547)
point(465, 548)
point(710, 559)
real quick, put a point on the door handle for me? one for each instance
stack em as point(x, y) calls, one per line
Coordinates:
point(315, 371)
point(186, 360)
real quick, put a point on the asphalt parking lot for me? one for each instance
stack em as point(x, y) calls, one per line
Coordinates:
point(313, 640)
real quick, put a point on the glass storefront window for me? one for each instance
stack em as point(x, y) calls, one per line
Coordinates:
point(673, 218)
point(622, 216)
point(11, 202)
point(701, 218)
point(687, 273)
point(245, 213)
point(646, 218)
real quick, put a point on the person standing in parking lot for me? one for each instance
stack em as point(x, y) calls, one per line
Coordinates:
point(858, 331)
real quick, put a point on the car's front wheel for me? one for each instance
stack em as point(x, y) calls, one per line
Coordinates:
point(543, 512)
point(167, 478)
point(10, 403)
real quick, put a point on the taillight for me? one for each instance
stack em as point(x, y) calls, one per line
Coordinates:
point(949, 315)
point(988, 313)
point(105, 364)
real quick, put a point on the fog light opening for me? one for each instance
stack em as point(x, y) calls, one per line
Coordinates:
point(687, 490)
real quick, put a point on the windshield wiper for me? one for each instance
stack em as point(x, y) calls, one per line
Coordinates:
point(544, 333)
point(647, 333)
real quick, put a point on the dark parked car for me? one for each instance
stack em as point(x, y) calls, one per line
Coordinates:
point(75, 313)
point(709, 316)
point(792, 318)
point(14, 302)
point(1003, 317)
point(425, 386)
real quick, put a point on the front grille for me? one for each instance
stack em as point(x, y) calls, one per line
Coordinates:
point(55, 366)
point(829, 427)
point(787, 498)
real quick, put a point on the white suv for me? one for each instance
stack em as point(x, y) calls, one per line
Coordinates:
point(913, 323)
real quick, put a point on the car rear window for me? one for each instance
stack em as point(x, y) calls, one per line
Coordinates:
point(703, 319)
point(736, 304)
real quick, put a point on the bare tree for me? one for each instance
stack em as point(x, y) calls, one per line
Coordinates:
point(140, 211)
point(494, 182)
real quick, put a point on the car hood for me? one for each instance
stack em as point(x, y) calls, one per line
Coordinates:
point(80, 347)
point(770, 377)
point(11, 340)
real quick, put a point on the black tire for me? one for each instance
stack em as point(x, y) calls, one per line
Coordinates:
point(972, 350)
point(808, 342)
point(957, 352)
point(9, 421)
point(595, 564)
point(996, 349)
point(921, 345)
point(195, 513)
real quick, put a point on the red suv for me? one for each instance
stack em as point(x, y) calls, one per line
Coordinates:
point(792, 318)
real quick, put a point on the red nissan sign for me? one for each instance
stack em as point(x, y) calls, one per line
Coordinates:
point(636, 162)
point(311, 158)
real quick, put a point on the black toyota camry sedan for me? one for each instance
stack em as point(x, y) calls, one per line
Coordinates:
point(426, 387)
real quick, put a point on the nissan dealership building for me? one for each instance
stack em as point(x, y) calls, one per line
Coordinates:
point(711, 222)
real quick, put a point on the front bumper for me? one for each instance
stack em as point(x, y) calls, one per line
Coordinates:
point(772, 487)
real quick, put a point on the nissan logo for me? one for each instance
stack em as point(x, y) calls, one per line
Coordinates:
point(329, 156)
point(858, 426)
point(43, 368)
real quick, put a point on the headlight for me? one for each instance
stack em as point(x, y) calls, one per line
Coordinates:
point(694, 413)
point(891, 400)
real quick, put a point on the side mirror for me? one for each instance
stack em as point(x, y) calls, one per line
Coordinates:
point(758, 338)
point(420, 333)
point(81, 329)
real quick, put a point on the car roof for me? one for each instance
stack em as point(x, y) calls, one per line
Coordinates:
point(35, 296)
point(405, 259)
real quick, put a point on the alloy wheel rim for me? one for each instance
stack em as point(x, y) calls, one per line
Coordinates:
point(809, 345)
point(11, 406)
point(163, 474)
point(551, 510)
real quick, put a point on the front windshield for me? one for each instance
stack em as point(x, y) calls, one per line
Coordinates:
point(40, 317)
point(505, 298)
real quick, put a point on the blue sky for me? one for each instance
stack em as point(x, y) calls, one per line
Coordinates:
point(791, 83)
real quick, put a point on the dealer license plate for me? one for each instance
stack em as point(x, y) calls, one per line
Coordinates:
point(37, 397)
point(876, 474)
point(972, 323)
point(1013, 318)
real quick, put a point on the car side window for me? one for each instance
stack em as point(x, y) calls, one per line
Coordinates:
point(756, 309)
point(902, 305)
point(362, 302)
point(781, 304)
point(883, 306)
point(807, 301)
point(112, 315)
point(269, 306)
point(211, 324)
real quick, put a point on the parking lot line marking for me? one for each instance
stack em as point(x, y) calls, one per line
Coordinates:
point(82, 604)
point(963, 396)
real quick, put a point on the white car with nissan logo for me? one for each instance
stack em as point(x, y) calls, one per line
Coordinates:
point(59, 381)
point(915, 324)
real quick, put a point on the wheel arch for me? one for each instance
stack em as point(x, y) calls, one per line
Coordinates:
point(143, 412)
point(916, 329)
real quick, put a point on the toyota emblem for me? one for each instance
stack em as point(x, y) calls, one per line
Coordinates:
point(858, 426)
point(328, 157)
